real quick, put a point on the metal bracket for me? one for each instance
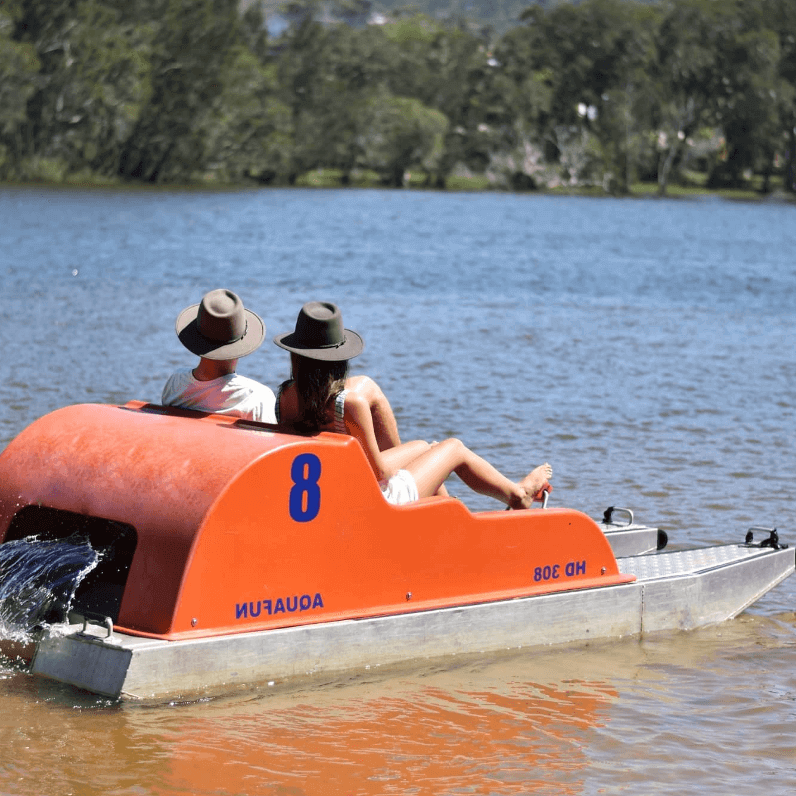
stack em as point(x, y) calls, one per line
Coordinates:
point(609, 512)
point(772, 541)
point(97, 619)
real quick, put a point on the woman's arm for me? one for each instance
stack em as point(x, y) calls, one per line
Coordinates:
point(359, 423)
point(385, 426)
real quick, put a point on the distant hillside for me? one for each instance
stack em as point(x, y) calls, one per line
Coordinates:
point(497, 14)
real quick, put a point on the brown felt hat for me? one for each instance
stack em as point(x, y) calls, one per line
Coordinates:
point(219, 327)
point(319, 334)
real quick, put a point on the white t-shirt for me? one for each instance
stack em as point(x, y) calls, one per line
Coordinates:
point(232, 394)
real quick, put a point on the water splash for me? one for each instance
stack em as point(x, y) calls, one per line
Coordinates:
point(38, 580)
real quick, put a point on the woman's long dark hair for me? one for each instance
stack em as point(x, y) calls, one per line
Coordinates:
point(317, 384)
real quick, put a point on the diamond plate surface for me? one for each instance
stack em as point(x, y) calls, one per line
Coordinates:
point(685, 562)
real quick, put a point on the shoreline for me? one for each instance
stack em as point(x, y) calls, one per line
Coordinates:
point(324, 181)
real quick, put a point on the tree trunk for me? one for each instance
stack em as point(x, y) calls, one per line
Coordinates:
point(665, 168)
point(790, 166)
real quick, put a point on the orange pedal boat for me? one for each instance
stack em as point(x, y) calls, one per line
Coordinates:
point(235, 553)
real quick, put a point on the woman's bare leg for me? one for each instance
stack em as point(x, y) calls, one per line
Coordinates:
point(401, 456)
point(431, 468)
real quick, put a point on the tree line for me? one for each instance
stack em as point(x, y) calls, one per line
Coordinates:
point(599, 93)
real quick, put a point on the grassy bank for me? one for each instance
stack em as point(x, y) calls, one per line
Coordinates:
point(695, 188)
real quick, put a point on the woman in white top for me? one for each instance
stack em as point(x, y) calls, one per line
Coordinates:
point(319, 398)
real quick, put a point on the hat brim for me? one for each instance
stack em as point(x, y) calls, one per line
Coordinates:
point(197, 343)
point(353, 345)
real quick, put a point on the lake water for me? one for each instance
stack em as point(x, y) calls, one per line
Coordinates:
point(645, 348)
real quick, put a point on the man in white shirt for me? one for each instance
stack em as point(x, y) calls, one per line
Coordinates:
point(219, 330)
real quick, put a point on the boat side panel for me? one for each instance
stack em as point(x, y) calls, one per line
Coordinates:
point(199, 665)
point(303, 535)
point(631, 541)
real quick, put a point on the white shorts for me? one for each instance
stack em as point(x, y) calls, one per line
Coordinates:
point(401, 489)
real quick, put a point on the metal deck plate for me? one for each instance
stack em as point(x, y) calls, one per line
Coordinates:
point(686, 562)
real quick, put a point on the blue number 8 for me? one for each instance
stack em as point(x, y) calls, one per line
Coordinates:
point(305, 496)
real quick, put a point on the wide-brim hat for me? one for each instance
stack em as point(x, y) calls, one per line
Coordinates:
point(220, 327)
point(319, 334)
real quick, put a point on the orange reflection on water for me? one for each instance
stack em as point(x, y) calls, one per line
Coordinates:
point(517, 739)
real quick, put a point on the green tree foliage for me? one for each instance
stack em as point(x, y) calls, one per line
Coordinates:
point(687, 77)
point(781, 18)
point(328, 75)
point(447, 67)
point(593, 57)
point(189, 52)
point(597, 92)
point(90, 87)
point(19, 70)
point(402, 134)
point(246, 129)
point(747, 110)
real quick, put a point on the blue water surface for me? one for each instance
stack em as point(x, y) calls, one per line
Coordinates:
point(645, 348)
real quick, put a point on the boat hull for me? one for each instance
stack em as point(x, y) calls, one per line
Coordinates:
point(680, 590)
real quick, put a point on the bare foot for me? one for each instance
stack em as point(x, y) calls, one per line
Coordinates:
point(531, 486)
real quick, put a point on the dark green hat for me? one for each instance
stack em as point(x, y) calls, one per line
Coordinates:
point(319, 334)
